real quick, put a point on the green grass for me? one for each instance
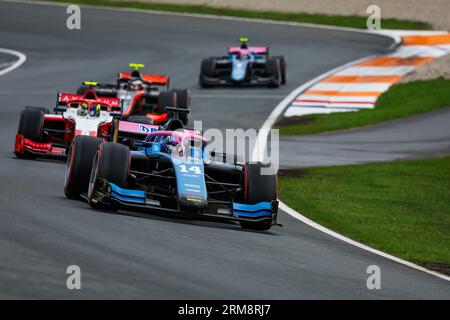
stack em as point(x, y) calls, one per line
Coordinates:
point(341, 21)
point(399, 101)
point(400, 207)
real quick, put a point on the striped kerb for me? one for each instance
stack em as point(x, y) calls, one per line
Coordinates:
point(359, 86)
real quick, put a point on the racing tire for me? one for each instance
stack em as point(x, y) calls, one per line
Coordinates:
point(43, 109)
point(79, 163)
point(112, 163)
point(31, 126)
point(82, 89)
point(166, 99)
point(107, 90)
point(183, 102)
point(272, 70)
point(282, 61)
point(258, 188)
point(139, 119)
point(207, 69)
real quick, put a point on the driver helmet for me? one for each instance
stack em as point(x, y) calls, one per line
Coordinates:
point(170, 144)
point(82, 110)
point(95, 111)
point(135, 74)
point(136, 84)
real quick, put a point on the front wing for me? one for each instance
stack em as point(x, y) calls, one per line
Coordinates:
point(23, 145)
point(263, 211)
point(227, 81)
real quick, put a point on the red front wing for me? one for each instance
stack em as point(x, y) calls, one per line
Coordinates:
point(57, 136)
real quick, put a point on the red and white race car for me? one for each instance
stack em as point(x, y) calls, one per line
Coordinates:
point(143, 97)
point(43, 134)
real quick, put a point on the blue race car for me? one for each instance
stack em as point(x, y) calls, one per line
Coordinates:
point(244, 65)
point(172, 172)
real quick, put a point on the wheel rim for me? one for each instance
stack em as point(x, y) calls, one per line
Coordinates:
point(93, 178)
point(68, 167)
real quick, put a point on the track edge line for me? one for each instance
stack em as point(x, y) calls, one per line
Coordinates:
point(295, 214)
point(22, 58)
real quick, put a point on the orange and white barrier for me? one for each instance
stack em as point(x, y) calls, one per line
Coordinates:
point(359, 86)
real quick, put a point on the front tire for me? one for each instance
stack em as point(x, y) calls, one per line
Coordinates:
point(207, 69)
point(111, 163)
point(272, 70)
point(282, 62)
point(31, 126)
point(258, 188)
point(79, 163)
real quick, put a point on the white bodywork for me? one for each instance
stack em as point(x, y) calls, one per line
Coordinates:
point(86, 125)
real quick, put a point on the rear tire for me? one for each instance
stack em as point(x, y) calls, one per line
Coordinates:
point(140, 119)
point(183, 102)
point(79, 163)
point(258, 188)
point(112, 163)
point(82, 89)
point(166, 99)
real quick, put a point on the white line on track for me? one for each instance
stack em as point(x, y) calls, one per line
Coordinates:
point(336, 235)
point(351, 86)
point(21, 59)
point(264, 133)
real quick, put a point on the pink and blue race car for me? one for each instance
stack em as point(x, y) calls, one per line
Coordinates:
point(172, 172)
point(244, 65)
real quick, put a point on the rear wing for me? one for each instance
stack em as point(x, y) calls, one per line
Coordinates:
point(151, 78)
point(253, 50)
point(62, 99)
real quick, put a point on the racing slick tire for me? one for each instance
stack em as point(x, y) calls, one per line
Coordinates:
point(43, 109)
point(258, 188)
point(112, 163)
point(31, 126)
point(282, 61)
point(166, 99)
point(207, 69)
point(79, 163)
point(82, 89)
point(272, 70)
point(140, 119)
point(183, 102)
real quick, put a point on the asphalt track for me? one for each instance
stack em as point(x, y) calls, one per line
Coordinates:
point(415, 137)
point(124, 256)
point(6, 60)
